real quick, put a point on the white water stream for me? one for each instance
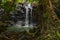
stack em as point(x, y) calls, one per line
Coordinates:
point(27, 7)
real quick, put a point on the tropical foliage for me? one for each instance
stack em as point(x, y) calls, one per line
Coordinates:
point(48, 23)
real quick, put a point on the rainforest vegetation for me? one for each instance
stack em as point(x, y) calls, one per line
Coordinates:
point(45, 13)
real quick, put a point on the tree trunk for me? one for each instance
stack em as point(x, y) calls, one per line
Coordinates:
point(47, 17)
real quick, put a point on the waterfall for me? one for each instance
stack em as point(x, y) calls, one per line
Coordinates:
point(30, 14)
point(26, 19)
point(27, 7)
point(18, 26)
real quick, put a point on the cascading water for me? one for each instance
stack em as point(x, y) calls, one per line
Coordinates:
point(28, 19)
point(27, 7)
point(28, 15)
point(30, 6)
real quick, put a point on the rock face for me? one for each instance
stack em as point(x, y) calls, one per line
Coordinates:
point(18, 15)
point(14, 17)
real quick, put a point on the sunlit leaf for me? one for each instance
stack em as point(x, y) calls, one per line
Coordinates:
point(58, 34)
